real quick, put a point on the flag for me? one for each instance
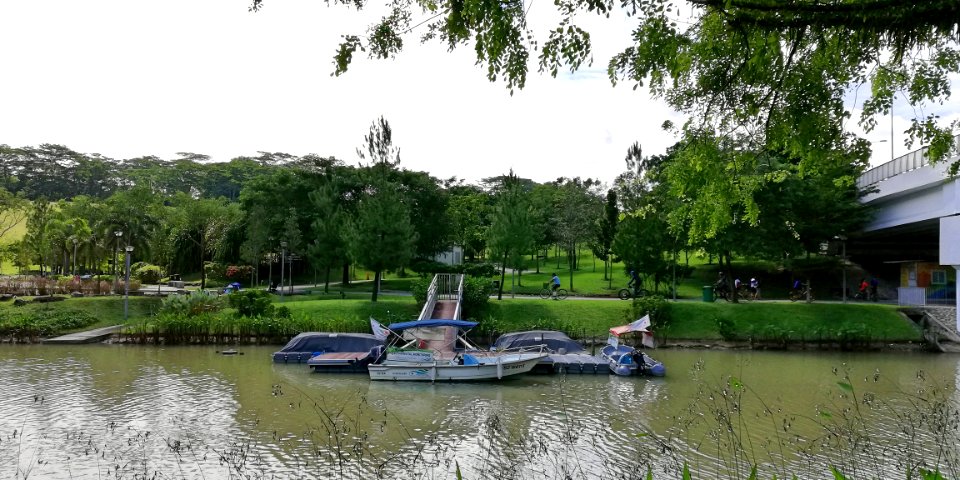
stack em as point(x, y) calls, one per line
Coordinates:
point(613, 341)
point(646, 339)
point(379, 331)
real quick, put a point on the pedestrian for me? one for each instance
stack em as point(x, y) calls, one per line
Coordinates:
point(874, 286)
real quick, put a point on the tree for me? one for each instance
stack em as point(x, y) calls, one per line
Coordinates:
point(328, 247)
point(203, 224)
point(777, 73)
point(13, 209)
point(38, 230)
point(511, 234)
point(605, 231)
point(469, 214)
point(382, 237)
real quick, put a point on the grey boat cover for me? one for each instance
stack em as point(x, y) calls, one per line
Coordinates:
point(320, 342)
point(555, 341)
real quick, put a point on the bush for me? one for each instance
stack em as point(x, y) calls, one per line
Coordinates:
point(485, 270)
point(194, 304)
point(238, 272)
point(419, 289)
point(251, 303)
point(215, 271)
point(147, 273)
point(655, 306)
point(476, 295)
point(40, 323)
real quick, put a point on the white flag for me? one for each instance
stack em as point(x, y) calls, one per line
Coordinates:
point(613, 341)
point(378, 330)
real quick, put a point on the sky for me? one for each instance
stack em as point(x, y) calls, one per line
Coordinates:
point(131, 78)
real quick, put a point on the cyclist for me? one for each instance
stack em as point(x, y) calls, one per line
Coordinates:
point(721, 286)
point(555, 284)
point(634, 282)
point(755, 288)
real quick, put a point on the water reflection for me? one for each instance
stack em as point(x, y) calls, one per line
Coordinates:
point(90, 411)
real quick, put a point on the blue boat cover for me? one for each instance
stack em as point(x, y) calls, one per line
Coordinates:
point(397, 327)
point(315, 342)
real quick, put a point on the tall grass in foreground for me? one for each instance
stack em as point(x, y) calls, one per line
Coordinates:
point(713, 437)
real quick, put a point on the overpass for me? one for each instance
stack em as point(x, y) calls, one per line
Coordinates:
point(902, 243)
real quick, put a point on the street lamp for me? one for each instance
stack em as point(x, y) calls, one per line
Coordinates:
point(126, 286)
point(843, 259)
point(74, 256)
point(116, 246)
point(283, 261)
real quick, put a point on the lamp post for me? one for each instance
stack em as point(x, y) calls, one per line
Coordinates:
point(843, 259)
point(283, 262)
point(116, 246)
point(74, 256)
point(126, 283)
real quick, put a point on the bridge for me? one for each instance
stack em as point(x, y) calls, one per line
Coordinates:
point(903, 242)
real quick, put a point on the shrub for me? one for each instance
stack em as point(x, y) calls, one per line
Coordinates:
point(251, 303)
point(147, 273)
point(726, 329)
point(215, 271)
point(238, 272)
point(655, 306)
point(485, 270)
point(193, 304)
point(44, 322)
point(476, 295)
point(419, 289)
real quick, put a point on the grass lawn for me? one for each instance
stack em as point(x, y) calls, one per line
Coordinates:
point(108, 309)
point(386, 309)
point(795, 321)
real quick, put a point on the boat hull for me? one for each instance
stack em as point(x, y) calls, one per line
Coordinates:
point(490, 368)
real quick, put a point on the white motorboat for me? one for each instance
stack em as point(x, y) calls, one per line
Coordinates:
point(431, 354)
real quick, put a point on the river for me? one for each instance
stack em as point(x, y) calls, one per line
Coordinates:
point(114, 411)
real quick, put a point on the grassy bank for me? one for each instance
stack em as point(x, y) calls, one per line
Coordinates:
point(768, 322)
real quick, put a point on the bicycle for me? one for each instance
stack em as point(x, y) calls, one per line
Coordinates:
point(627, 294)
point(801, 294)
point(546, 293)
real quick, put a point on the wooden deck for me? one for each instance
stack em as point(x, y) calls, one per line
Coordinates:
point(89, 336)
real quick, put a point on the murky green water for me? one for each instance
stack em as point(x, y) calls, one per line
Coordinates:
point(139, 412)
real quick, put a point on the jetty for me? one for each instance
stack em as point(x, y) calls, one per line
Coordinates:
point(89, 336)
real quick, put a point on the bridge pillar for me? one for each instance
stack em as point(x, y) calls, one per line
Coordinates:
point(950, 253)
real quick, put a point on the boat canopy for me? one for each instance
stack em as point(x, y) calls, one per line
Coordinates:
point(555, 341)
point(461, 324)
point(640, 325)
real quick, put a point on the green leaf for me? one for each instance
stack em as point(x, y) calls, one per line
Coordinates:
point(836, 473)
point(686, 472)
point(846, 386)
point(734, 383)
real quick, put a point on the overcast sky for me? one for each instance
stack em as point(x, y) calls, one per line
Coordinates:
point(130, 78)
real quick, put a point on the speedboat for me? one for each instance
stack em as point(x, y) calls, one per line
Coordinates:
point(625, 360)
point(331, 352)
point(565, 354)
point(437, 350)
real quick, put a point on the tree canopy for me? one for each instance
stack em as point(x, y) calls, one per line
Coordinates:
point(774, 73)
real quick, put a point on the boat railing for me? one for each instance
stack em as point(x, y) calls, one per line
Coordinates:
point(526, 349)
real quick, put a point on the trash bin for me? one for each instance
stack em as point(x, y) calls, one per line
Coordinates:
point(708, 294)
